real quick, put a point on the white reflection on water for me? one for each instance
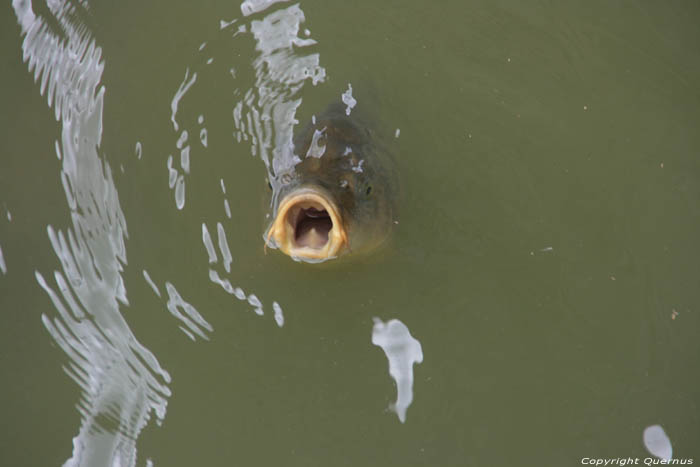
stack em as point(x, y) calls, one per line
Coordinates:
point(176, 180)
point(264, 117)
point(255, 301)
point(184, 311)
point(223, 247)
point(208, 244)
point(348, 100)
point(150, 282)
point(402, 350)
point(3, 266)
point(248, 7)
point(225, 284)
point(279, 316)
point(657, 443)
point(280, 73)
point(186, 84)
point(203, 137)
point(227, 208)
point(194, 322)
point(121, 380)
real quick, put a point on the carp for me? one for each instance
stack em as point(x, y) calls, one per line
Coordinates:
point(339, 195)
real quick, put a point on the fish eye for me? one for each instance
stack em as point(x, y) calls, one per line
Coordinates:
point(369, 190)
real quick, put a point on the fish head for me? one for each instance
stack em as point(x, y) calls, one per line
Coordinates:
point(335, 199)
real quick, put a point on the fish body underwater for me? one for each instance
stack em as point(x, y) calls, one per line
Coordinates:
point(339, 197)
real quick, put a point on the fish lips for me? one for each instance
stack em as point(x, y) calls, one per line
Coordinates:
point(308, 226)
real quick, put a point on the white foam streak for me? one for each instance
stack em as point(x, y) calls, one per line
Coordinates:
point(402, 350)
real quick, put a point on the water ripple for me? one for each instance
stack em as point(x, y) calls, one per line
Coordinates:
point(193, 320)
point(263, 115)
point(225, 284)
point(122, 382)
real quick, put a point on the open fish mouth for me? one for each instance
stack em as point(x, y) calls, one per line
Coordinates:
point(308, 226)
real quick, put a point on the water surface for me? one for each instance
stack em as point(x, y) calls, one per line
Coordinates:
point(545, 257)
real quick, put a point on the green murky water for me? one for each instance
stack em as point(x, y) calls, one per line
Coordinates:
point(545, 258)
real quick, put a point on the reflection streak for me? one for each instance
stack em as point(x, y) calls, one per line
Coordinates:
point(3, 266)
point(122, 382)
